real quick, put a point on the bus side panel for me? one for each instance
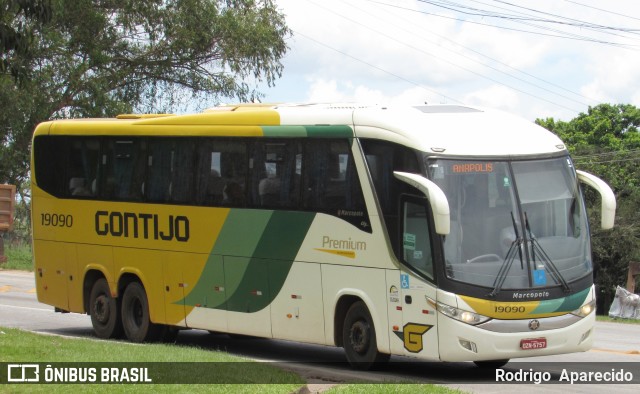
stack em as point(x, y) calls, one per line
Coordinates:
point(248, 297)
point(74, 279)
point(394, 310)
point(174, 287)
point(205, 305)
point(297, 311)
point(51, 273)
point(369, 285)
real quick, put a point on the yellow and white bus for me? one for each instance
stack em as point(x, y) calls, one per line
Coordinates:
point(439, 232)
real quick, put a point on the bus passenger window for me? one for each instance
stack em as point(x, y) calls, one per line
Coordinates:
point(159, 170)
point(209, 183)
point(274, 174)
point(331, 182)
point(83, 166)
point(182, 171)
point(221, 172)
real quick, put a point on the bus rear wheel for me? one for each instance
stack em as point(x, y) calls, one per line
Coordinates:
point(103, 310)
point(359, 338)
point(135, 315)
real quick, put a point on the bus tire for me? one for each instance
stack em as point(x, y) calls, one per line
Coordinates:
point(359, 338)
point(103, 309)
point(135, 315)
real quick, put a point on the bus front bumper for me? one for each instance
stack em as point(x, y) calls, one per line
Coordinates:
point(462, 342)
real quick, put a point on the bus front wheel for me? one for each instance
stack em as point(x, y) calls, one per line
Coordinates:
point(103, 310)
point(135, 314)
point(359, 338)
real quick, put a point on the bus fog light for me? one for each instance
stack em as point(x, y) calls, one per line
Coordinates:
point(468, 345)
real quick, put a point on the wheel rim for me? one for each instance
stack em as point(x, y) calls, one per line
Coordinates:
point(137, 312)
point(101, 309)
point(359, 336)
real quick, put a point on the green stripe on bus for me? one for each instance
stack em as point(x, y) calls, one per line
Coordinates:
point(241, 232)
point(566, 304)
point(335, 131)
point(574, 301)
point(284, 131)
point(249, 271)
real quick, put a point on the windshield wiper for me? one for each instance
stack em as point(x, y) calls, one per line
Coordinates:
point(508, 260)
point(551, 267)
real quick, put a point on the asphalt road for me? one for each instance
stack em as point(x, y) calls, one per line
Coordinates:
point(614, 343)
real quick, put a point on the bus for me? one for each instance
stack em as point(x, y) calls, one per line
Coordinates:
point(439, 232)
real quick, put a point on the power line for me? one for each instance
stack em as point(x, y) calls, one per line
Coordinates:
point(456, 65)
point(573, 22)
point(502, 64)
point(565, 36)
point(602, 10)
point(377, 68)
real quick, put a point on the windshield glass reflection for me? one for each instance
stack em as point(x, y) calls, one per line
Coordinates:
point(514, 225)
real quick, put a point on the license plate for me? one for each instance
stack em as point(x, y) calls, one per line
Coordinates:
point(533, 343)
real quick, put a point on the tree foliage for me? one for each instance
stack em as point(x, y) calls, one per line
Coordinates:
point(19, 22)
point(605, 141)
point(96, 58)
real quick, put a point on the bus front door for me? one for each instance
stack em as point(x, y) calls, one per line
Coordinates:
point(419, 317)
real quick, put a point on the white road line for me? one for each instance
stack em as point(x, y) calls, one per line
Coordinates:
point(26, 307)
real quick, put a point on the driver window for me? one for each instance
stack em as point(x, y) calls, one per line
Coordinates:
point(416, 240)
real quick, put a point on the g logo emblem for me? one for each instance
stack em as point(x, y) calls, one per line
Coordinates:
point(412, 336)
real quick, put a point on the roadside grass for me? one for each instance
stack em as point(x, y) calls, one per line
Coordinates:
point(236, 375)
point(19, 257)
point(391, 388)
point(241, 375)
point(616, 320)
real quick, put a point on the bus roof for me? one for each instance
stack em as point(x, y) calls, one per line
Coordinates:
point(437, 129)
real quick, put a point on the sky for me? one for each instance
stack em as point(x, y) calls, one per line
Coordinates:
point(536, 59)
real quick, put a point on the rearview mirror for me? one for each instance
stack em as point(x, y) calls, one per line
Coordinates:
point(437, 199)
point(607, 196)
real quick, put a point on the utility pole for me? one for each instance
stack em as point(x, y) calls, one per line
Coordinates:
point(634, 270)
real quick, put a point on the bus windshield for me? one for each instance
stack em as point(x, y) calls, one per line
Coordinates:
point(514, 224)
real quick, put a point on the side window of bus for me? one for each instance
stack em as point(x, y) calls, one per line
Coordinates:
point(275, 180)
point(331, 181)
point(183, 172)
point(83, 166)
point(50, 170)
point(170, 170)
point(222, 172)
point(124, 160)
point(383, 158)
point(415, 236)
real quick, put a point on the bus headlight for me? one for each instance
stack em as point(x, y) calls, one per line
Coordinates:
point(585, 309)
point(461, 315)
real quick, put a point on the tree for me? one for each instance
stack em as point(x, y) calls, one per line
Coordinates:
point(606, 142)
point(19, 20)
point(96, 58)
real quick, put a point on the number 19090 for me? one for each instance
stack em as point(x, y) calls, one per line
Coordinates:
point(56, 220)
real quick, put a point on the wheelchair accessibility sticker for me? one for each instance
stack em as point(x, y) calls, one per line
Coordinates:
point(404, 281)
